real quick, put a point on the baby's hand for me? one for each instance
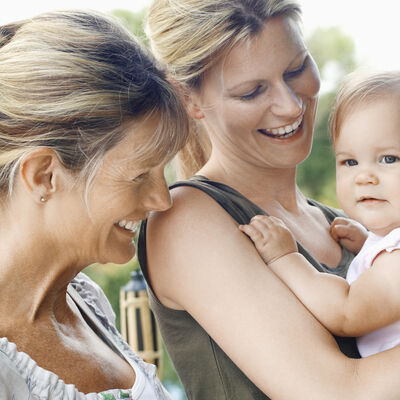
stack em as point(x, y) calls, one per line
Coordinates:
point(349, 233)
point(271, 237)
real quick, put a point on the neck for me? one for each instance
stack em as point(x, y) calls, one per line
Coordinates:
point(34, 276)
point(269, 188)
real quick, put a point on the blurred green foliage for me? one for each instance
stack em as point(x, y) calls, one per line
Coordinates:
point(132, 21)
point(316, 176)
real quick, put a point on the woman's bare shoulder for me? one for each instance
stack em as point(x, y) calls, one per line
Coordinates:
point(194, 238)
point(188, 203)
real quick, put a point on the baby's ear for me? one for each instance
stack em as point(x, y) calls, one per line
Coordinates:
point(39, 172)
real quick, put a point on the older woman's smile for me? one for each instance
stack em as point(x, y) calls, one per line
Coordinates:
point(129, 227)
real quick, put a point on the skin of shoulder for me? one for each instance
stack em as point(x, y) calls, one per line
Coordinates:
point(183, 233)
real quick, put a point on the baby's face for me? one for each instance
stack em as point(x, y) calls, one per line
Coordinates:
point(368, 164)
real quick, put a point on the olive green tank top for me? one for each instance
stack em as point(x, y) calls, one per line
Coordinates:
point(206, 372)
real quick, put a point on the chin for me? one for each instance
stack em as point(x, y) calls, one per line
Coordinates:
point(120, 256)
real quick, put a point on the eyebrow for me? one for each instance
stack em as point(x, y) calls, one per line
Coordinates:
point(343, 154)
point(304, 52)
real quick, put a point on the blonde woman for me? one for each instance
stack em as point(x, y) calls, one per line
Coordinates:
point(233, 329)
point(87, 123)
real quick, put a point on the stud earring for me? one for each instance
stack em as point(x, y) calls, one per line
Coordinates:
point(43, 199)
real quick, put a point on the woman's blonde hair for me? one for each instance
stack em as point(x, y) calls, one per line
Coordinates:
point(72, 81)
point(360, 87)
point(189, 36)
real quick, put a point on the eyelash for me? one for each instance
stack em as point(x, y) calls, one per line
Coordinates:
point(346, 162)
point(395, 159)
point(139, 178)
point(253, 94)
point(296, 72)
point(287, 75)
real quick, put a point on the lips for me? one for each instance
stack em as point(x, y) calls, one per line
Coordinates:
point(370, 200)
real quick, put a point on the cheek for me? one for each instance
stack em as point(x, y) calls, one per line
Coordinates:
point(312, 80)
point(233, 119)
point(343, 189)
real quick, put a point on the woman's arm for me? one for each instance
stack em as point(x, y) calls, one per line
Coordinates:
point(199, 261)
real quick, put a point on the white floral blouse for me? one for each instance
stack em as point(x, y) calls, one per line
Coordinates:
point(22, 379)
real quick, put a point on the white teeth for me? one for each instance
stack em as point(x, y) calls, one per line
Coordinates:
point(128, 225)
point(284, 130)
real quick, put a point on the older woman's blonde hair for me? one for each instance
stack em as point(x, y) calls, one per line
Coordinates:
point(360, 87)
point(73, 81)
point(189, 36)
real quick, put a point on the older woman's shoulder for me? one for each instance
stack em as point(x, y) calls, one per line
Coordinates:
point(93, 295)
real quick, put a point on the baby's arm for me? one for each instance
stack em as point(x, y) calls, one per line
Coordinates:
point(349, 233)
point(371, 302)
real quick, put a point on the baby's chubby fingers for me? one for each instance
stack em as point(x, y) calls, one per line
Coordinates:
point(261, 229)
point(251, 231)
point(268, 222)
point(339, 228)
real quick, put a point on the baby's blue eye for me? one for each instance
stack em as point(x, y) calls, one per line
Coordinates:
point(350, 163)
point(389, 159)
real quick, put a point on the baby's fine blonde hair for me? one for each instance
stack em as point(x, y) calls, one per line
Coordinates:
point(360, 87)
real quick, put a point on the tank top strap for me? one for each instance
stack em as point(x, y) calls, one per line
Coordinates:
point(242, 210)
point(234, 203)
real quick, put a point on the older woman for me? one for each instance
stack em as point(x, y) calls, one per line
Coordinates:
point(87, 123)
point(232, 328)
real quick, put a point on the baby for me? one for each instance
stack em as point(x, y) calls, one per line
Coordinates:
point(366, 139)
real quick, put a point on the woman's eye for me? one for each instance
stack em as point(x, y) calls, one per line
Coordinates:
point(140, 178)
point(296, 72)
point(252, 94)
point(350, 163)
point(389, 159)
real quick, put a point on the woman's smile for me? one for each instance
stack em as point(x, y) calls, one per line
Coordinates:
point(283, 132)
point(128, 228)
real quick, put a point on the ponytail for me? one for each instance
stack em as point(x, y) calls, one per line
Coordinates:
point(194, 154)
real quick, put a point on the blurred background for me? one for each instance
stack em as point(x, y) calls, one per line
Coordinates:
point(342, 35)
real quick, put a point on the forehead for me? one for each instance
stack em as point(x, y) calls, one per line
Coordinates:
point(269, 52)
point(372, 122)
point(138, 145)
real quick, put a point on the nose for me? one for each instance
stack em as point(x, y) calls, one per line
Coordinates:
point(366, 178)
point(286, 103)
point(158, 197)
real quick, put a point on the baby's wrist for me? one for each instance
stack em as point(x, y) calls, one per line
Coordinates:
point(282, 256)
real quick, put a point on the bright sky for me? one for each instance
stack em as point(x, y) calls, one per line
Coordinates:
point(374, 26)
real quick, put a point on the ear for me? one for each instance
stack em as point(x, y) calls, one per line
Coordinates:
point(39, 172)
point(192, 102)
